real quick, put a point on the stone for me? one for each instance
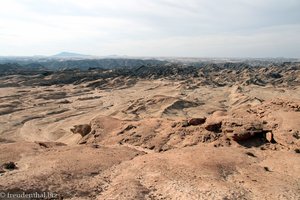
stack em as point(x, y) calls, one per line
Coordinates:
point(269, 137)
point(185, 124)
point(197, 121)
point(83, 129)
point(250, 154)
point(214, 127)
point(241, 129)
point(174, 124)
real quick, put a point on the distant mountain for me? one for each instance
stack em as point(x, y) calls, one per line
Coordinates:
point(69, 55)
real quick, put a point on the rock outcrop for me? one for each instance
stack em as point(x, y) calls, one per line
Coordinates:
point(82, 129)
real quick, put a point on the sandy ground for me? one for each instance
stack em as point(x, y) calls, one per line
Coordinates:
point(142, 145)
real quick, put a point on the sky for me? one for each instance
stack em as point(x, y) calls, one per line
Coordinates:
point(161, 28)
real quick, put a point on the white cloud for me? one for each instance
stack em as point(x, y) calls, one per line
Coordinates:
point(156, 27)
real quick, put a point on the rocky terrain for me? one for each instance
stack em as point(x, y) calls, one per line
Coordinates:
point(152, 131)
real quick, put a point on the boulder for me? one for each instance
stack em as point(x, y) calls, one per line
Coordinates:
point(214, 122)
point(82, 129)
point(240, 129)
point(197, 121)
point(214, 126)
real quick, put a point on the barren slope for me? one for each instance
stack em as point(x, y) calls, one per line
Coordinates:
point(151, 139)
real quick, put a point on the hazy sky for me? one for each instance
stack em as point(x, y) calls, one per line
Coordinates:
point(196, 28)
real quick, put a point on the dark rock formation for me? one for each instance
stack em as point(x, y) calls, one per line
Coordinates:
point(103, 73)
point(83, 129)
point(9, 166)
point(214, 127)
point(197, 121)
